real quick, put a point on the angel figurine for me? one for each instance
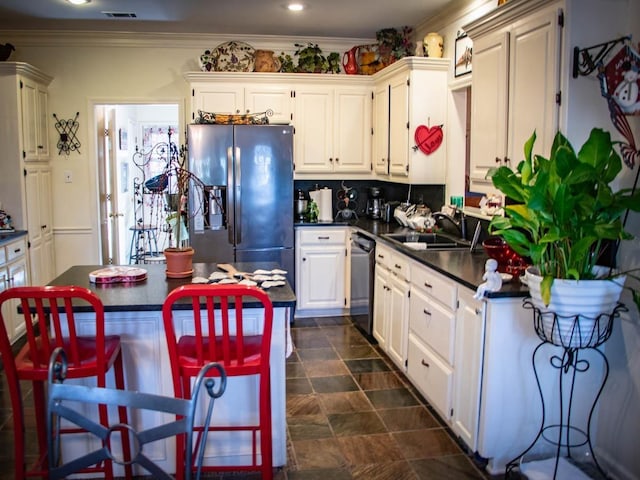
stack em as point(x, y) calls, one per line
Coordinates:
point(491, 277)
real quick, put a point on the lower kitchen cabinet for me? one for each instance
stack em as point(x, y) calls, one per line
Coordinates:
point(321, 270)
point(391, 303)
point(13, 273)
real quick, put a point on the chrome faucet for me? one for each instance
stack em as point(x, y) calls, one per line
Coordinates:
point(460, 224)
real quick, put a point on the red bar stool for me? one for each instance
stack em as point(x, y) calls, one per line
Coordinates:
point(219, 337)
point(43, 310)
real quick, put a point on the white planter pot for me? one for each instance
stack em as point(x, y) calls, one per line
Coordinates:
point(579, 312)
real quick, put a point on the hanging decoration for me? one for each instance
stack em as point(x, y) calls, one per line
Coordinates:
point(620, 86)
point(67, 129)
point(428, 139)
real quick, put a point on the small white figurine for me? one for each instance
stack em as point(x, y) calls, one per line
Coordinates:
point(491, 277)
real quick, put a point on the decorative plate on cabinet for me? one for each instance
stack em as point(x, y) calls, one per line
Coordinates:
point(233, 57)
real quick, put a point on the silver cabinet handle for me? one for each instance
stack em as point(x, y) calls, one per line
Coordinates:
point(324, 238)
point(428, 285)
point(425, 364)
point(426, 312)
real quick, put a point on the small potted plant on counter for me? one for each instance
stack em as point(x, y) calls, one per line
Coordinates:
point(564, 213)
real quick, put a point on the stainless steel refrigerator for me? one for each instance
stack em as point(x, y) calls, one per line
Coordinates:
point(247, 212)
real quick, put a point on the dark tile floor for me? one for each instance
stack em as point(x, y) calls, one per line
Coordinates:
point(351, 414)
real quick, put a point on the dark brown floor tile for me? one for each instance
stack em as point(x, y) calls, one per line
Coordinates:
point(302, 405)
point(367, 365)
point(362, 450)
point(378, 381)
point(325, 368)
point(298, 386)
point(426, 443)
point(453, 467)
point(309, 338)
point(344, 402)
point(311, 354)
point(319, 453)
point(356, 423)
point(347, 352)
point(293, 358)
point(332, 321)
point(307, 427)
point(309, 322)
point(397, 397)
point(334, 384)
point(345, 335)
point(384, 471)
point(408, 418)
point(324, 474)
point(294, 370)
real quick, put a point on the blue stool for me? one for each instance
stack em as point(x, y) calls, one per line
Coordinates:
point(143, 243)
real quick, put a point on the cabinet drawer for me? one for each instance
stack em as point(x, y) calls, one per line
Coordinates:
point(433, 324)
point(383, 255)
point(436, 286)
point(400, 266)
point(432, 377)
point(319, 236)
point(16, 249)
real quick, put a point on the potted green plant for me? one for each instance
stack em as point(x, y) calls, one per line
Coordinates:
point(564, 211)
point(310, 60)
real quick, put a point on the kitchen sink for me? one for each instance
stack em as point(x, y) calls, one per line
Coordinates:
point(426, 241)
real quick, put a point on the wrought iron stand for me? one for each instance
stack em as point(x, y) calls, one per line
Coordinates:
point(573, 335)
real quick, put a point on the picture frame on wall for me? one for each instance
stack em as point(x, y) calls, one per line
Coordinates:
point(463, 55)
point(123, 143)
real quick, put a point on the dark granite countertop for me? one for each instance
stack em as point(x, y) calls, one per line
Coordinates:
point(8, 236)
point(463, 266)
point(149, 294)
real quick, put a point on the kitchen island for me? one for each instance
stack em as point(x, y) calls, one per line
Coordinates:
point(133, 311)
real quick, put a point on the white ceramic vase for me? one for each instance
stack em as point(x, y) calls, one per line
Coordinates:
point(579, 310)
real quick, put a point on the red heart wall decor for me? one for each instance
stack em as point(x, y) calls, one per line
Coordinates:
point(428, 139)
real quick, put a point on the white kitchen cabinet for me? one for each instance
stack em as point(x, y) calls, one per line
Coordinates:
point(25, 183)
point(13, 273)
point(516, 65)
point(432, 327)
point(469, 351)
point(416, 91)
point(391, 303)
point(321, 269)
point(40, 223)
point(333, 129)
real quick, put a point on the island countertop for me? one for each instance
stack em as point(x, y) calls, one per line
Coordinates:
point(149, 294)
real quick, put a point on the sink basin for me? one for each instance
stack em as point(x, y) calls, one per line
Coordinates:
point(427, 241)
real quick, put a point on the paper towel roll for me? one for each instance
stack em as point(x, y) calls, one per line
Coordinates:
point(323, 199)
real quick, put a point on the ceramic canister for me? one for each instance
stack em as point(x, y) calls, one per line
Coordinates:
point(433, 45)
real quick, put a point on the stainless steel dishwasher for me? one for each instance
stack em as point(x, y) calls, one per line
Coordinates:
point(362, 277)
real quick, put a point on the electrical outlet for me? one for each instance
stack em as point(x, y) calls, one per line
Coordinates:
point(68, 176)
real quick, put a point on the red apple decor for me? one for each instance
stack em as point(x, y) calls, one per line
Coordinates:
point(428, 139)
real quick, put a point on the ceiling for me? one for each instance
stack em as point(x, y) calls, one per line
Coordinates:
point(322, 18)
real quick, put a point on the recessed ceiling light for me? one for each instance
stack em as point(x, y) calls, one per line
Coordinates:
point(295, 7)
point(79, 2)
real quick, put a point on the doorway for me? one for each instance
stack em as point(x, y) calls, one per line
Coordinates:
point(122, 130)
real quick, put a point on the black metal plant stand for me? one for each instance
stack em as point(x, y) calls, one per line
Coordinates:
point(574, 335)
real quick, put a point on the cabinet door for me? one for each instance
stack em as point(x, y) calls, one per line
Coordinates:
point(468, 366)
point(260, 98)
point(488, 108)
point(322, 279)
point(42, 122)
point(218, 98)
point(399, 126)
point(398, 321)
point(39, 223)
point(30, 121)
point(381, 130)
point(381, 306)
point(533, 84)
point(17, 278)
point(352, 130)
point(313, 121)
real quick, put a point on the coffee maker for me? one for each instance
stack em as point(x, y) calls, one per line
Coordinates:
point(375, 203)
point(300, 205)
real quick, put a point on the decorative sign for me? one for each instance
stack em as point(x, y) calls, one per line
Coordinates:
point(428, 139)
point(463, 55)
point(67, 130)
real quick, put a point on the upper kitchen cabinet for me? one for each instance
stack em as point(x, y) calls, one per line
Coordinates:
point(331, 113)
point(25, 183)
point(515, 84)
point(332, 129)
point(409, 93)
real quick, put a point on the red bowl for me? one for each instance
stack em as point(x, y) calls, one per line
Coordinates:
point(508, 260)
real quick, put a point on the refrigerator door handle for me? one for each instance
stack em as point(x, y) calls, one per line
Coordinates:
point(230, 197)
point(238, 197)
